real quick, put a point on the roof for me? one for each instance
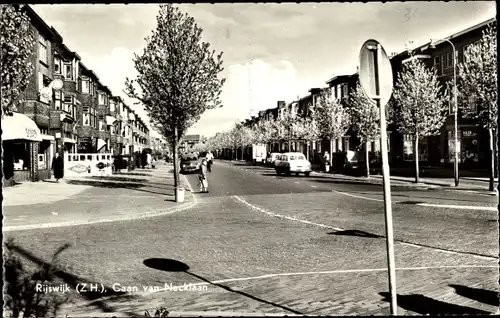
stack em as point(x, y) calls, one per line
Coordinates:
point(338, 77)
point(35, 18)
point(455, 35)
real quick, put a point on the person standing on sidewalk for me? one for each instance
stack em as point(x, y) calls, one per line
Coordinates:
point(202, 176)
point(58, 167)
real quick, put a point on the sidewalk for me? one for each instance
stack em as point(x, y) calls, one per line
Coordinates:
point(77, 201)
point(475, 184)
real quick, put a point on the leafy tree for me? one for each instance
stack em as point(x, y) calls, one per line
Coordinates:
point(290, 128)
point(330, 117)
point(266, 131)
point(177, 76)
point(477, 82)
point(418, 107)
point(365, 120)
point(17, 51)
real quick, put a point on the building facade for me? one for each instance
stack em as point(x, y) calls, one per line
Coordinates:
point(433, 150)
point(82, 116)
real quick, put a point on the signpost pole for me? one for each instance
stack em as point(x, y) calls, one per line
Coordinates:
point(387, 188)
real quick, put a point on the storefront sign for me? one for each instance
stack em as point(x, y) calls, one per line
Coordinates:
point(31, 133)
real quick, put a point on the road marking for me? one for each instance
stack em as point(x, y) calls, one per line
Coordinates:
point(313, 186)
point(108, 220)
point(332, 272)
point(284, 216)
point(296, 182)
point(254, 207)
point(358, 196)
point(459, 207)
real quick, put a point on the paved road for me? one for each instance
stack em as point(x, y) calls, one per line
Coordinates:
point(286, 245)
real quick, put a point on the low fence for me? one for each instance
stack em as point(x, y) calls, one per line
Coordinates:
point(88, 164)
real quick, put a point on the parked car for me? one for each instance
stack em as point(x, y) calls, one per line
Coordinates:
point(272, 158)
point(189, 165)
point(292, 162)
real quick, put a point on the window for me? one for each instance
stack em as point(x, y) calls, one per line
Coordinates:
point(101, 125)
point(86, 119)
point(57, 104)
point(68, 99)
point(437, 65)
point(68, 72)
point(339, 91)
point(43, 49)
point(101, 99)
point(449, 59)
point(344, 90)
point(85, 86)
point(407, 147)
point(112, 106)
point(85, 109)
point(57, 65)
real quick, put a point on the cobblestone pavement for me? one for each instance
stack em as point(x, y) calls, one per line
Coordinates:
point(301, 262)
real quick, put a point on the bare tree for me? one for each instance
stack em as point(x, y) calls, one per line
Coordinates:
point(177, 76)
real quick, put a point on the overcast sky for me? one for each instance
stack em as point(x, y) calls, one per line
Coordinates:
point(271, 51)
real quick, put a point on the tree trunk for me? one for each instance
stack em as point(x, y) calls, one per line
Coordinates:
point(492, 163)
point(307, 150)
point(331, 152)
point(367, 153)
point(417, 169)
point(176, 169)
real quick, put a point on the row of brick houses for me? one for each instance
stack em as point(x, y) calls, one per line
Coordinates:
point(81, 117)
point(434, 150)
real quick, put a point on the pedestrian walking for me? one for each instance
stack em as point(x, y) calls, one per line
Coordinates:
point(326, 161)
point(202, 176)
point(58, 167)
point(210, 158)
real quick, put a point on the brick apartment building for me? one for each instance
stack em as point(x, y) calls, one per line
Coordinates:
point(434, 150)
point(81, 117)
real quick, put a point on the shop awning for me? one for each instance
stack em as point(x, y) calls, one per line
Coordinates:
point(110, 120)
point(100, 143)
point(20, 127)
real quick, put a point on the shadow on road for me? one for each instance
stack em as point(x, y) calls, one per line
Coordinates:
point(482, 295)
point(171, 265)
point(76, 282)
point(427, 306)
point(358, 233)
point(117, 185)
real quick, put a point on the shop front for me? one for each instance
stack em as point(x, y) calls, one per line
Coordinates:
point(21, 140)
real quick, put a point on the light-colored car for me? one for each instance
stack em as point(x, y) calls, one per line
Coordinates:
point(292, 162)
point(272, 158)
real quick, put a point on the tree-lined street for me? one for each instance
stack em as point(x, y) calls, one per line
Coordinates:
point(253, 223)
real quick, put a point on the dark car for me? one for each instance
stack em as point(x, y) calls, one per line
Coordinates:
point(189, 165)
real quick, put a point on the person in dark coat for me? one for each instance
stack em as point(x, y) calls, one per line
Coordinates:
point(58, 167)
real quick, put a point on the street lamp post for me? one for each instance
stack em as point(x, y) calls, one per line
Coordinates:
point(455, 103)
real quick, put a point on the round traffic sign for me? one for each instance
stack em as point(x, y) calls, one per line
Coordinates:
point(375, 72)
point(46, 92)
point(57, 84)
